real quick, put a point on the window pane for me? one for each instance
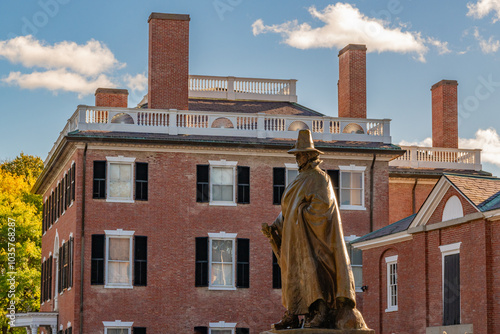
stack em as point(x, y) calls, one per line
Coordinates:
point(292, 174)
point(356, 256)
point(227, 176)
point(118, 272)
point(216, 176)
point(358, 276)
point(222, 274)
point(345, 195)
point(119, 249)
point(356, 180)
point(216, 192)
point(221, 331)
point(117, 331)
point(222, 251)
point(120, 180)
point(356, 197)
point(346, 179)
point(227, 193)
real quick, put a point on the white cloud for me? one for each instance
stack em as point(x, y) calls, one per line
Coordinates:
point(345, 24)
point(482, 8)
point(92, 58)
point(138, 82)
point(487, 140)
point(487, 46)
point(59, 80)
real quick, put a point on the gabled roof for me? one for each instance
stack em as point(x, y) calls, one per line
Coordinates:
point(482, 192)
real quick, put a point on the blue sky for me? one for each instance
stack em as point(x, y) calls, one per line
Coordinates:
point(76, 46)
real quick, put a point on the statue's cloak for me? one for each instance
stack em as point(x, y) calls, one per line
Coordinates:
point(313, 256)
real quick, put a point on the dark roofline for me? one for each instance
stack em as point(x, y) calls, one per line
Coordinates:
point(377, 233)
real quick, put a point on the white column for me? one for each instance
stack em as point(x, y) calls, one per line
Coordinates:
point(34, 329)
point(53, 329)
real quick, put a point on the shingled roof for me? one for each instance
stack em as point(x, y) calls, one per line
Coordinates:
point(399, 226)
point(483, 192)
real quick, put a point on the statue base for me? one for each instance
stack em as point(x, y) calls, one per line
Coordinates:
point(319, 331)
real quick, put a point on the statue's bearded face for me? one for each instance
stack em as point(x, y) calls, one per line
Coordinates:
point(301, 158)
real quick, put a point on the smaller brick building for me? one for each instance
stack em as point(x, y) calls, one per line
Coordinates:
point(438, 267)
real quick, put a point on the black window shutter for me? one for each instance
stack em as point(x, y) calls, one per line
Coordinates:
point(63, 265)
point(201, 270)
point(278, 184)
point(139, 330)
point(57, 201)
point(51, 209)
point(70, 330)
point(59, 269)
point(276, 273)
point(141, 181)
point(202, 184)
point(99, 190)
point(334, 176)
point(141, 261)
point(44, 215)
point(243, 263)
point(49, 274)
point(67, 197)
point(201, 330)
point(451, 300)
point(42, 280)
point(242, 331)
point(97, 262)
point(73, 171)
point(243, 185)
point(63, 193)
point(71, 252)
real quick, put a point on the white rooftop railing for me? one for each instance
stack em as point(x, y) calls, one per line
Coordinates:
point(436, 157)
point(234, 88)
point(224, 124)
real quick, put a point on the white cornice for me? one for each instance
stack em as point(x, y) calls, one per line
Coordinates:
point(383, 241)
point(431, 203)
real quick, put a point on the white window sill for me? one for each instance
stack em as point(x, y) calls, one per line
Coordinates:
point(117, 200)
point(108, 286)
point(223, 203)
point(358, 289)
point(352, 207)
point(391, 309)
point(221, 288)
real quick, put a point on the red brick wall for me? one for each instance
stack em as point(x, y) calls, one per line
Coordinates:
point(401, 197)
point(445, 114)
point(168, 61)
point(352, 81)
point(108, 97)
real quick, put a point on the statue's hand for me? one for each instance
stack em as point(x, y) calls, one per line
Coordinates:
point(266, 230)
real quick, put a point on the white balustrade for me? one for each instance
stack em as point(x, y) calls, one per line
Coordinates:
point(261, 125)
point(436, 157)
point(233, 88)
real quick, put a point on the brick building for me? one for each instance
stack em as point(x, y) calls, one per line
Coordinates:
point(152, 214)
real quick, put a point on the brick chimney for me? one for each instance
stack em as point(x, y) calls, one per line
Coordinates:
point(111, 97)
point(168, 78)
point(352, 81)
point(445, 114)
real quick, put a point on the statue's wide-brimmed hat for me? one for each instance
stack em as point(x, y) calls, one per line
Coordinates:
point(304, 143)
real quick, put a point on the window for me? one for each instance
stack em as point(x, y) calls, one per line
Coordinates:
point(222, 327)
point(118, 258)
point(276, 273)
point(117, 327)
point(279, 181)
point(452, 209)
point(217, 265)
point(451, 283)
point(120, 177)
point(139, 330)
point(46, 280)
point(215, 183)
point(392, 283)
point(111, 262)
point(352, 187)
point(114, 180)
point(356, 258)
point(292, 170)
point(141, 181)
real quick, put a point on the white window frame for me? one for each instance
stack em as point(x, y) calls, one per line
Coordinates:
point(223, 164)
point(117, 324)
point(124, 235)
point(350, 169)
point(221, 236)
point(222, 325)
point(123, 161)
point(391, 261)
point(349, 239)
point(289, 167)
point(449, 249)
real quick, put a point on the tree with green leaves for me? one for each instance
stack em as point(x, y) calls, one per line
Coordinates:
point(20, 238)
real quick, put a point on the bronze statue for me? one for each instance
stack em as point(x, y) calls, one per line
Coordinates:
point(308, 241)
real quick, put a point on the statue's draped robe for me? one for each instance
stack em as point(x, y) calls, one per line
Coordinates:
point(313, 256)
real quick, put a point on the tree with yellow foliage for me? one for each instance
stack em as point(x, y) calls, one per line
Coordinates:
point(20, 238)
